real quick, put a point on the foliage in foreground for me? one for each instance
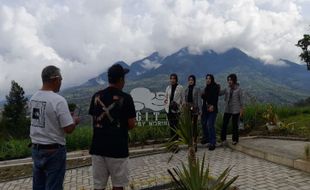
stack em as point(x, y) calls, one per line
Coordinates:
point(194, 175)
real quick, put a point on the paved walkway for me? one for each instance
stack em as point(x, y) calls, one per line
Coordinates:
point(254, 173)
point(292, 149)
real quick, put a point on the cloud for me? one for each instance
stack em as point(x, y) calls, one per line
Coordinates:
point(84, 37)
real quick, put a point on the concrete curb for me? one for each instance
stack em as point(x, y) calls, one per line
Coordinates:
point(21, 168)
point(299, 164)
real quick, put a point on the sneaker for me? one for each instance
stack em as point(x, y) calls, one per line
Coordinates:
point(211, 147)
point(234, 142)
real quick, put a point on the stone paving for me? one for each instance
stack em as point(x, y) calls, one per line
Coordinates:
point(145, 171)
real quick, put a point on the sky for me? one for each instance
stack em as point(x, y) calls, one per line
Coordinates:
point(84, 37)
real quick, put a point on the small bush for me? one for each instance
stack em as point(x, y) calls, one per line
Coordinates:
point(141, 134)
point(14, 148)
point(80, 139)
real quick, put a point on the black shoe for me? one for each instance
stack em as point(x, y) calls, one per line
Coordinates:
point(211, 147)
point(234, 142)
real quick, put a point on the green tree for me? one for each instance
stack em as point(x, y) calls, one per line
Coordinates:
point(14, 121)
point(304, 43)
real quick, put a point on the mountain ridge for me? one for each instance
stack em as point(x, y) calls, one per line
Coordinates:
point(283, 84)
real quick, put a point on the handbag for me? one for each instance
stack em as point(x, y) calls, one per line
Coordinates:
point(173, 107)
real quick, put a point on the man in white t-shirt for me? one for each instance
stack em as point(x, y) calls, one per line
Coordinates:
point(50, 121)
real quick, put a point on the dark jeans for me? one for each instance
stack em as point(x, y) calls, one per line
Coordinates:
point(209, 119)
point(235, 132)
point(173, 119)
point(49, 167)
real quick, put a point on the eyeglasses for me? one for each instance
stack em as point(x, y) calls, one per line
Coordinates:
point(55, 77)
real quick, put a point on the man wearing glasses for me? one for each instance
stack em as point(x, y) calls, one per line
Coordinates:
point(50, 121)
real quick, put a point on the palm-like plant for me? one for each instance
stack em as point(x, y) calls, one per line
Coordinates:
point(184, 133)
point(194, 175)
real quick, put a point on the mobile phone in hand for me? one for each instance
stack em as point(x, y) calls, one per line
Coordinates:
point(76, 112)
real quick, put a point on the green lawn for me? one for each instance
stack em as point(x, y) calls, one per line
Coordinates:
point(299, 125)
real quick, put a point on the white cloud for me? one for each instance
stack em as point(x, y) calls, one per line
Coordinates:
point(147, 64)
point(84, 37)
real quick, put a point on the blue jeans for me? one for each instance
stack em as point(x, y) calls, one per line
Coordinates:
point(49, 167)
point(209, 119)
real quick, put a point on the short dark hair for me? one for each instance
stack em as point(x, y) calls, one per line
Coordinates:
point(233, 77)
point(116, 72)
point(49, 73)
point(174, 75)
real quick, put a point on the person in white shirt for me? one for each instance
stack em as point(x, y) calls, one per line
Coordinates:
point(50, 121)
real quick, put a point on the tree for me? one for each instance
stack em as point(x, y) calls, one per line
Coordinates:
point(14, 121)
point(304, 43)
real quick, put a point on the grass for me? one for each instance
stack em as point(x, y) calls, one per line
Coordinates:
point(295, 120)
point(296, 123)
point(141, 134)
point(13, 148)
point(300, 125)
point(80, 139)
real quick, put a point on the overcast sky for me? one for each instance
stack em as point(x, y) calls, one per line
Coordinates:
point(84, 37)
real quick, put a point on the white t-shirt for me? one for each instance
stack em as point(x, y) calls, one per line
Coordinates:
point(49, 115)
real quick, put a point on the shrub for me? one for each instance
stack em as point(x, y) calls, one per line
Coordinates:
point(141, 134)
point(80, 138)
point(270, 115)
point(14, 148)
point(253, 115)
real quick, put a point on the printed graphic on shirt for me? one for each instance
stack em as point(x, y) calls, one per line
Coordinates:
point(108, 113)
point(37, 116)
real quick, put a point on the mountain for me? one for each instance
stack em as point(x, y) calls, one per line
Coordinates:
point(145, 65)
point(281, 84)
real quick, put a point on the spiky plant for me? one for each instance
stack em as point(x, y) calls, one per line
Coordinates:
point(184, 133)
point(197, 177)
point(194, 175)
